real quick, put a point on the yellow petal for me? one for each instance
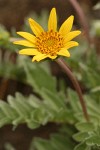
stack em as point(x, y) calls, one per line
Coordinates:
point(39, 57)
point(64, 52)
point(27, 36)
point(66, 26)
point(71, 35)
point(70, 44)
point(29, 51)
point(52, 22)
point(52, 57)
point(25, 43)
point(36, 28)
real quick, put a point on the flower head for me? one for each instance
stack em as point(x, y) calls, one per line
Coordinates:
point(51, 43)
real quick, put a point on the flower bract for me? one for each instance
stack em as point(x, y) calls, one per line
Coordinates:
point(51, 43)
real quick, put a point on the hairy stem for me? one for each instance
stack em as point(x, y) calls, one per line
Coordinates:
point(63, 65)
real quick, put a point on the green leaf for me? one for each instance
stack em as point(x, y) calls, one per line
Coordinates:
point(82, 146)
point(61, 142)
point(85, 126)
point(4, 121)
point(74, 101)
point(57, 141)
point(24, 102)
point(8, 146)
point(40, 116)
point(8, 110)
point(94, 140)
point(53, 100)
point(81, 136)
point(65, 116)
point(41, 144)
point(38, 77)
point(20, 105)
point(32, 124)
point(34, 101)
point(93, 109)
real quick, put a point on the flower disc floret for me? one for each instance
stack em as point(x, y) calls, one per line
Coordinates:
point(49, 43)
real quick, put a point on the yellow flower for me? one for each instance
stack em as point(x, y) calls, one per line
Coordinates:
point(51, 43)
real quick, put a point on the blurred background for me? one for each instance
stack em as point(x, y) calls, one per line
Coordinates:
point(13, 12)
point(13, 17)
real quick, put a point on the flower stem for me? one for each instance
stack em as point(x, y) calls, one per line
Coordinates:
point(83, 19)
point(63, 65)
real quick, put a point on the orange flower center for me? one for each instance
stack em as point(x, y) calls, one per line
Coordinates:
point(49, 42)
